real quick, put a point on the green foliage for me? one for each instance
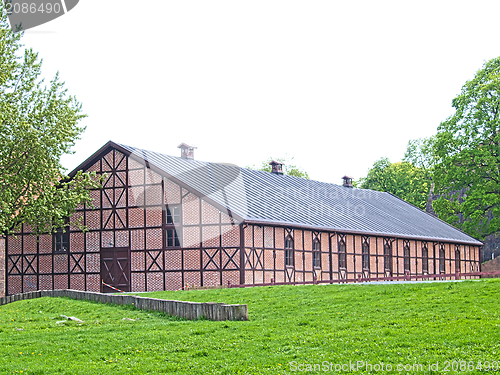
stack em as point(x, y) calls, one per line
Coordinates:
point(402, 179)
point(467, 147)
point(420, 153)
point(288, 168)
point(397, 323)
point(38, 124)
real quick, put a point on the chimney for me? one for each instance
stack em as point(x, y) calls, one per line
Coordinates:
point(187, 152)
point(347, 181)
point(276, 167)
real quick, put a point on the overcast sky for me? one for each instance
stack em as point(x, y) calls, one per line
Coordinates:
point(334, 84)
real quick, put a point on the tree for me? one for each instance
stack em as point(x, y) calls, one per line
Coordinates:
point(421, 153)
point(288, 168)
point(38, 124)
point(402, 179)
point(467, 172)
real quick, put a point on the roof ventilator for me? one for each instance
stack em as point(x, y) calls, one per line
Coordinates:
point(187, 152)
point(276, 167)
point(347, 181)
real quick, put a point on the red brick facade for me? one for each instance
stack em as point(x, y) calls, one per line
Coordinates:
point(2, 266)
point(265, 256)
point(137, 214)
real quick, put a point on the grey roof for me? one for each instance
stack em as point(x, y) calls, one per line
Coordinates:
point(264, 197)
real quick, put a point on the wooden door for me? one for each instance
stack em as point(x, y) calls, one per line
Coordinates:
point(115, 269)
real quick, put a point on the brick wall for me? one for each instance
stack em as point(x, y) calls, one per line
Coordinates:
point(2, 266)
point(265, 256)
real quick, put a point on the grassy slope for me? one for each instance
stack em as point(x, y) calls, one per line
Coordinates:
point(399, 323)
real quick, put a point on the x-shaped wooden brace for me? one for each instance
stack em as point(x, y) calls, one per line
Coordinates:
point(77, 263)
point(259, 258)
point(29, 265)
point(14, 265)
point(154, 258)
point(247, 258)
point(230, 258)
point(211, 258)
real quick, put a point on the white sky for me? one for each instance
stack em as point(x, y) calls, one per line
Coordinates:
point(334, 84)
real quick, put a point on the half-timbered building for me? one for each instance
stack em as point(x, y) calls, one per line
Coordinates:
point(161, 222)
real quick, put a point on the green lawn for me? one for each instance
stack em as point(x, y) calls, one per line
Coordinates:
point(394, 324)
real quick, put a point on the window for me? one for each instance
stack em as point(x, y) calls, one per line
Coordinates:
point(425, 257)
point(173, 222)
point(365, 250)
point(457, 259)
point(441, 259)
point(289, 251)
point(61, 240)
point(173, 214)
point(388, 255)
point(406, 255)
point(172, 238)
point(342, 251)
point(316, 247)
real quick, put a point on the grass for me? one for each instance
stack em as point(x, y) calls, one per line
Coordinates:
point(393, 324)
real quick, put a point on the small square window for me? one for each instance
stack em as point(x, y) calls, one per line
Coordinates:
point(173, 214)
point(172, 238)
point(61, 240)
